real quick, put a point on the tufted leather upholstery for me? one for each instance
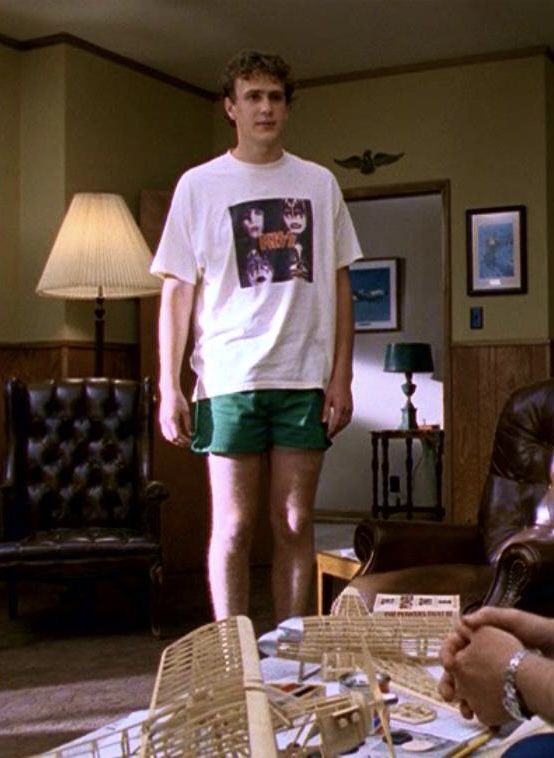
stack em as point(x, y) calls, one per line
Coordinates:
point(77, 498)
point(507, 558)
point(520, 466)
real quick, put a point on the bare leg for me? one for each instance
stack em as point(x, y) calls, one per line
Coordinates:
point(234, 485)
point(293, 482)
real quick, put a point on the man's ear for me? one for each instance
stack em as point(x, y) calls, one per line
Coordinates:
point(229, 106)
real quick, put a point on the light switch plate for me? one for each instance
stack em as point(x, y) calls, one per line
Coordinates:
point(475, 317)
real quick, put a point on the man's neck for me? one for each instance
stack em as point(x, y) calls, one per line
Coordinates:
point(257, 153)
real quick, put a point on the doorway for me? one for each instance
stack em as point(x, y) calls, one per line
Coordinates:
point(409, 224)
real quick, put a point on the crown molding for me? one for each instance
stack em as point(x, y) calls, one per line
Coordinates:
point(321, 81)
point(70, 39)
point(9, 42)
point(410, 68)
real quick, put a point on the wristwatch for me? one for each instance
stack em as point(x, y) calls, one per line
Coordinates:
point(511, 700)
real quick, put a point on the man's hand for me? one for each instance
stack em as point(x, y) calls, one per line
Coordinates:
point(451, 646)
point(174, 415)
point(337, 408)
point(478, 671)
point(533, 631)
point(175, 313)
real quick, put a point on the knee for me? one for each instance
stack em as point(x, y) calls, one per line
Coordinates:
point(292, 526)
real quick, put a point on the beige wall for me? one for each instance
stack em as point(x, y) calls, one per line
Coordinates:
point(9, 183)
point(480, 126)
point(127, 131)
point(549, 93)
point(87, 124)
point(42, 194)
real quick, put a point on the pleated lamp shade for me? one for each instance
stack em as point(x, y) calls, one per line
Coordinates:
point(99, 252)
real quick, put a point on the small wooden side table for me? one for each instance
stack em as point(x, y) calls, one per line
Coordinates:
point(431, 436)
point(333, 564)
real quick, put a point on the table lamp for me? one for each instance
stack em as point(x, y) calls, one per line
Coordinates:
point(99, 253)
point(409, 358)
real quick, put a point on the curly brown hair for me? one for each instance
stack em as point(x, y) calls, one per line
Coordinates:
point(248, 62)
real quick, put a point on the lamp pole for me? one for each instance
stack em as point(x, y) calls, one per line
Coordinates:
point(409, 412)
point(99, 321)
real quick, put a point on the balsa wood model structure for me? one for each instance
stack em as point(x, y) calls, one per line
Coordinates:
point(400, 647)
point(209, 700)
point(209, 697)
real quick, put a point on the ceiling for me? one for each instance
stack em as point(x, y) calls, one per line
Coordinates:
point(192, 39)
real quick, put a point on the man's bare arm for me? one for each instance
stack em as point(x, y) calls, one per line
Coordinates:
point(173, 327)
point(535, 684)
point(337, 410)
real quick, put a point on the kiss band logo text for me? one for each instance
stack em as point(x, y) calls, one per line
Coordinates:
point(276, 240)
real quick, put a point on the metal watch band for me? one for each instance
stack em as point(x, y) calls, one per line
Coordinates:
point(512, 700)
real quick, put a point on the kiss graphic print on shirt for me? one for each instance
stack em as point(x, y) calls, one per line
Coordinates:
point(273, 240)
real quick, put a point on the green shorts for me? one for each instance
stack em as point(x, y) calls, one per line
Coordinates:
point(251, 422)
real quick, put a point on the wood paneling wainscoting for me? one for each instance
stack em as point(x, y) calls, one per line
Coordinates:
point(482, 378)
point(57, 360)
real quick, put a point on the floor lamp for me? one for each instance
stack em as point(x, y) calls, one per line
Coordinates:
point(99, 254)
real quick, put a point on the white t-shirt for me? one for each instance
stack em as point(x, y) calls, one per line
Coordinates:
point(262, 243)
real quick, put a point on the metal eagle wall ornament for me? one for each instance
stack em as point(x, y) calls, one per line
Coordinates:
point(368, 163)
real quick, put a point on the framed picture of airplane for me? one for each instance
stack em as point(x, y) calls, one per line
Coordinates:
point(374, 283)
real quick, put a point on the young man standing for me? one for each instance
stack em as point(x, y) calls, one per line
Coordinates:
point(272, 353)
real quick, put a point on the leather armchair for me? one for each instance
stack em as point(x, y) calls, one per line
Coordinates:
point(77, 503)
point(507, 558)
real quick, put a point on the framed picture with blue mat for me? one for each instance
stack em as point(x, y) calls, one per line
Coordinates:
point(496, 251)
point(374, 283)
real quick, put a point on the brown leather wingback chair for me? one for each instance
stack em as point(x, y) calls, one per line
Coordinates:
point(77, 500)
point(507, 558)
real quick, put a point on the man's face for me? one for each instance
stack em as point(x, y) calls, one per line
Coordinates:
point(259, 110)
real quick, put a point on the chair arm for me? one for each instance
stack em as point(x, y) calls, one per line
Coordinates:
point(524, 571)
point(389, 545)
point(153, 493)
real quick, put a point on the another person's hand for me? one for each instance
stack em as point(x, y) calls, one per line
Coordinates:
point(337, 408)
point(533, 631)
point(174, 416)
point(452, 645)
point(478, 671)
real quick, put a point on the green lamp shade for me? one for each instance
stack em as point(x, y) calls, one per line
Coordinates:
point(409, 357)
